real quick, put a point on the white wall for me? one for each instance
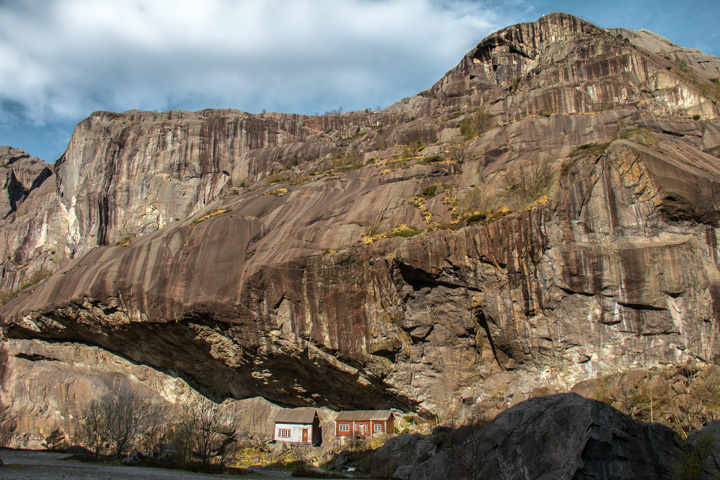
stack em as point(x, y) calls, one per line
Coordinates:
point(295, 432)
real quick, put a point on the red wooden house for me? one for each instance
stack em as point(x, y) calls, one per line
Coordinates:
point(364, 423)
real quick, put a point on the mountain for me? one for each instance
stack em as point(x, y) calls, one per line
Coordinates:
point(545, 214)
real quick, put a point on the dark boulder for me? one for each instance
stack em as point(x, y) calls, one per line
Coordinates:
point(558, 436)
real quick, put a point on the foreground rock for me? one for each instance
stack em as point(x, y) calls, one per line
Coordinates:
point(558, 436)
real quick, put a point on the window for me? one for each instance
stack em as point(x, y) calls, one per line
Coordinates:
point(344, 427)
point(283, 433)
point(378, 427)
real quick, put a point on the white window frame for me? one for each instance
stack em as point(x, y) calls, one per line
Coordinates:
point(344, 427)
point(284, 433)
point(377, 427)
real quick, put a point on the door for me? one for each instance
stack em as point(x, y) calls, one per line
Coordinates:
point(305, 436)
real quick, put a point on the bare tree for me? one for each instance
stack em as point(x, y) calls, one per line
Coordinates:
point(206, 431)
point(92, 431)
point(115, 421)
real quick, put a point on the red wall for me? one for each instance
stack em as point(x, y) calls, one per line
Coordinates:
point(355, 428)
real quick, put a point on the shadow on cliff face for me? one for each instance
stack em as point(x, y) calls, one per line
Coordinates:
point(221, 361)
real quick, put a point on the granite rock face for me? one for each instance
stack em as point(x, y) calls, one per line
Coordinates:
point(392, 259)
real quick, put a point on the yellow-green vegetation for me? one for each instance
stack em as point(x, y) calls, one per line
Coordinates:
point(476, 217)
point(590, 149)
point(480, 122)
point(278, 192)
point(125, 241)
point(207, 216)
point(412, 150)
point(328, 251)
point(403, 230)
point(419, 203)
point(642, 136)
point(35, 278)
point(432, 159)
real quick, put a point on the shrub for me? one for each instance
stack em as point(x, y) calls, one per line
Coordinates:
point(479, 123)
point(527, 181)
point(476, 217)
point(430, 191)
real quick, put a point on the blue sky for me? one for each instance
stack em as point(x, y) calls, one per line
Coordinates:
point(60, 60)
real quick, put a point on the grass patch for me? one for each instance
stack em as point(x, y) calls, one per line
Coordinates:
point(278, 178)
point(642, 136)
point(405, 232)
point(208, 216)
point(431, 160)
point(278, 192)
point(589, 149)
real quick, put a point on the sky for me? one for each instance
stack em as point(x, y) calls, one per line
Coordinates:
point(61, 60)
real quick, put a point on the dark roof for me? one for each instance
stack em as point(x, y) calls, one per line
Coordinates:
point(298, 415)
point(363, 415)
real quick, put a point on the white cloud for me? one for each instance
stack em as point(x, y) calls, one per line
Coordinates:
point(76, 56)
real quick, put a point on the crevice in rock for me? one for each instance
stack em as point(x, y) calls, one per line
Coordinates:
point(482, 321)
point(34, 357)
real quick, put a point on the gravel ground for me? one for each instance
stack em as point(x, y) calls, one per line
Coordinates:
point(27, 465)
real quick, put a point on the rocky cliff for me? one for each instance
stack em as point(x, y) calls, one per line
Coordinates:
point(546, 213)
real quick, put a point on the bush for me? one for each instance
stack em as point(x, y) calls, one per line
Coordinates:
point(479, 123)
point(430, 191)
point(526, 182)
point(476, 217)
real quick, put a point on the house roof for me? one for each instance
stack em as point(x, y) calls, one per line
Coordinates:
point(298, 415)
point(363, 415)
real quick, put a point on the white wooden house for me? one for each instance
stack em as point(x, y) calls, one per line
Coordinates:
point(300, 425)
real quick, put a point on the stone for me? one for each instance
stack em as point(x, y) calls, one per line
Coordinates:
point(341, 460)
point(558, 436)
point(706, 443)
point(78, 450)
point(168, 453)
point(134, 457)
